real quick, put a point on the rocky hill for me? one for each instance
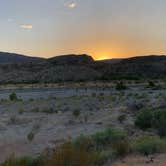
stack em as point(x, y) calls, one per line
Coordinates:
point(6, 57)
point(24, 69)
point(62, 68)
point(137, 67)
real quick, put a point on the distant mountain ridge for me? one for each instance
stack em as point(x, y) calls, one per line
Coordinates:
point(15, 68)
point(6, 57)
point(72, 59)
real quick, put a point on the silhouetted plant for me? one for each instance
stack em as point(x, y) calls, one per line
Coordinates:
point(13, 96)
point(122, 118)
point(76, 113)
point(159, 122)
point(120, 86)
point(144, 119)
point(30, 136)
point(151, 84)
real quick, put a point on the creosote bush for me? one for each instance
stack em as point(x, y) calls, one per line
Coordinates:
point(152, 119)
point(93, 150)
point(13, 96)
point(159, 122)
point(76, 113)
point(144, 119)
point(30, 136)
point(149, 145)
point(115, 139)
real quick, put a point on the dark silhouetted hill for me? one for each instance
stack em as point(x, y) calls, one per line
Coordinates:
point(6, 57)
point(16, 68)
point(72, 60)
point(137, 67)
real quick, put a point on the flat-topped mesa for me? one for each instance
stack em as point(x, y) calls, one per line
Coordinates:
point(72, 59)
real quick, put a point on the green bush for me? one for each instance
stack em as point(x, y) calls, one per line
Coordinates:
point(152, 119)
point(24, 161)
point(83, 141)
point(108, 137)
point(30, 136)
point(159, 122)
point(13, 96)
point(149, 145)
point(76, 113)
point(144, 119)
point(106, 155)
point(116, 140)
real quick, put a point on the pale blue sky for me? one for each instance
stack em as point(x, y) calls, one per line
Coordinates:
point(102, 28)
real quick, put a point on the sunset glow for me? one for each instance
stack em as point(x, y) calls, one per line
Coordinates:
point(101, 28)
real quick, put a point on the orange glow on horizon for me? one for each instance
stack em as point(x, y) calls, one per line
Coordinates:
point(102, 57)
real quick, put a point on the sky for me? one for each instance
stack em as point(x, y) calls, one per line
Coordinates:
point(101, 28)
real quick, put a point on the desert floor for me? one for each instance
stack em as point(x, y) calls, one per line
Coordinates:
point(44, 117)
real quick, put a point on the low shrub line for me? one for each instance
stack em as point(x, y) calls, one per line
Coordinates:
point(93, 150)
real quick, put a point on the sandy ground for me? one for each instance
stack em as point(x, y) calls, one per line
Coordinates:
point(159, 160)
point(52, 119)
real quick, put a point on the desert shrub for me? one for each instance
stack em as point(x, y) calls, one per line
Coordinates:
point(122, 118)
point(85, 118)
point(69, 155)
point(152, 119)
point(159, 121)
point(144, 119)
point(76, 113)
point(21, 111)
point(30, 136)
point(104, 156)
point(84, 150)
point(116, 140)
point(24, 161)
point(48, 110)
point(107, 137)
point(151, 84)
point(121, 148)
point(82, 140)
point(36, 109)
point(31, 99)
point(13, 119)
point(149, 145)
point(120, 86)
point(13, 96)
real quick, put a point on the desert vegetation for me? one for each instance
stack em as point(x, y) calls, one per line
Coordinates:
point(95, 149)
point(85, 123)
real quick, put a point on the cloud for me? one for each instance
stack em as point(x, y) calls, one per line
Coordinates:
point(26, 26)
point(72, 5)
